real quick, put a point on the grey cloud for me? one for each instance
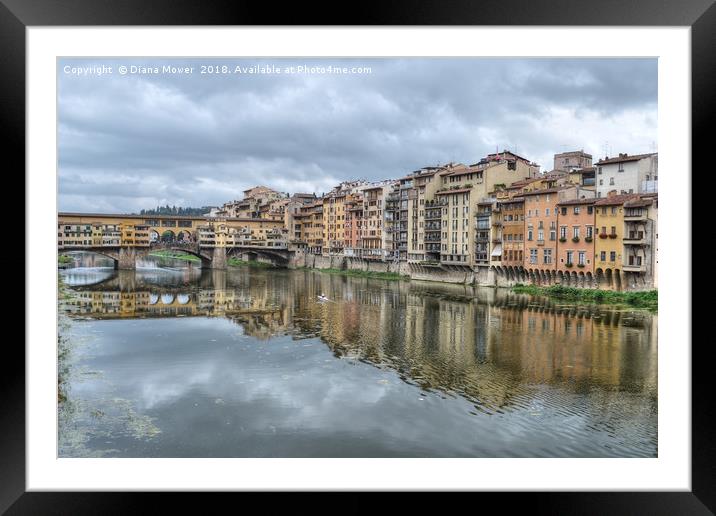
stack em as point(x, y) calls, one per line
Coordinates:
point(125, 141)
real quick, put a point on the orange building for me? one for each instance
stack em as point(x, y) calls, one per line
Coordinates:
point(576, 236)
point(540, 210)
point(513, 231)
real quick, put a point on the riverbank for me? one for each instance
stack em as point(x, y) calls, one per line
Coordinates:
point(176, 255)
point(647, 299)
point(235, 262)
point(392, 276)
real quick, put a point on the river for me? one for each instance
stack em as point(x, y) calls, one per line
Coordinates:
point(172, 361)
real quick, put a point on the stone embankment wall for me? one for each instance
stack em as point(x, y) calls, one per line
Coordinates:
point(462, 275)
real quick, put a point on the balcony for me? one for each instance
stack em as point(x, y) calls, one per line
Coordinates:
point(634, 240)
point(634, 267)
point(540, 242)
point(635, 216)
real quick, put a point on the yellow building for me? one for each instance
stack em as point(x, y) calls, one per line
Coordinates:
point(243, 232)
point(461, 187)
point(420, 187)
point(334, 219)
point(373, 240)
point(608, 244)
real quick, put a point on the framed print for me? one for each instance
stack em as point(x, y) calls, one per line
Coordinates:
point(421, 253)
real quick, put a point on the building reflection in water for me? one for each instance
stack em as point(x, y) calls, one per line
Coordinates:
point(490, 346)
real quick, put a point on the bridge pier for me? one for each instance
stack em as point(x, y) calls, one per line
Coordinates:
point(217, 261)
point(127, 259)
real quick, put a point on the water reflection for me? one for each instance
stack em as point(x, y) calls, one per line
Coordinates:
point(383, 369)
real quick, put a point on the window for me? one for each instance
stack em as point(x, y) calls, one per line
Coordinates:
point(563, 232)
point(533, 255)
point(613, 256)
point(614, 230)
point(540, 235)
point(611, 180)
point(614, 210)
point(529, 235)
point(599, 171)
point(547, 257)
point(589, 231)
point(564, 211)
point(621, 167)
point(590, 210)
point(575, 232)
point(581, 257)
point(601, 182)
point(570, 255)
point(603, 256)
point(576, 210)
point(552, 235)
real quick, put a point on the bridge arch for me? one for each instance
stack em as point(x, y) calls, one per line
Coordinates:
point(184, 236)
point(112, 255)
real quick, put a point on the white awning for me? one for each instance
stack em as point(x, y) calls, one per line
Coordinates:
point(497, 251)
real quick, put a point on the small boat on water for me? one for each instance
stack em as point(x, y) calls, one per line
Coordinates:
point(323, 298)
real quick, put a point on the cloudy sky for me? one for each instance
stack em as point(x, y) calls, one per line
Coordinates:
point(138, 140)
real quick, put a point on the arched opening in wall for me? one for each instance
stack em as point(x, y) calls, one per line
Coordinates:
point(560, 277)
point(167, 299)
point(154, 236)
point(608, 278)
point(581, 279)
point(617, 279)
point(600, 277)
point(82, 258)
point(168, 236)
point(183, 299)
point(553, 279)
point(153, 298)
point(184, 236)
point(590, 280)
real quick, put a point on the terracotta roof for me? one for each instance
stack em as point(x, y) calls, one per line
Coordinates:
point(543, 190)
point(583, 170)
point(637, 203)
point(615, 200)
point(577, 201)
point(523, 182)
point(459, 190)
point(621, 159)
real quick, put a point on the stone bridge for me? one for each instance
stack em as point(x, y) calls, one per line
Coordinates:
point(125, 257)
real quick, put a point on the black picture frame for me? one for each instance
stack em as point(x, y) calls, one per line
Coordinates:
point(17, 15)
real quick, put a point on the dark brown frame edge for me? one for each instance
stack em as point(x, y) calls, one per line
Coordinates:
point(16, 15)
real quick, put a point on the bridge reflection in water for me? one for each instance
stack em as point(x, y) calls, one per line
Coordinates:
point(437, 336)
